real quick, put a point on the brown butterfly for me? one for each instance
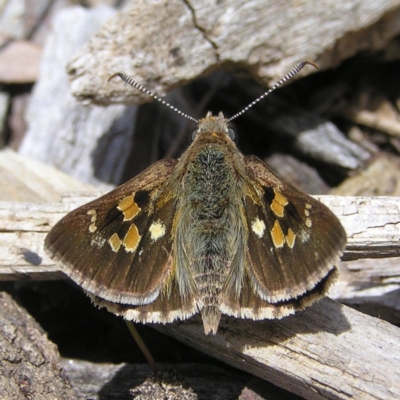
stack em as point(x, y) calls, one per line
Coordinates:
point(214, 232)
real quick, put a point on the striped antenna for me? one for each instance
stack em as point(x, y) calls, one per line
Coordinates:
point(293, 72)
point(136, 85)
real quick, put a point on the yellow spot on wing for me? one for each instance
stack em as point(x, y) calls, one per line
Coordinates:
point(277, 208)
point(115, 242)
point(280, 198)
point(278, 204)
point(128, 207)
point(131, 239)
point(277, 235)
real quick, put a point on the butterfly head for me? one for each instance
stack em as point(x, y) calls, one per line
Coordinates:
point(216, 127)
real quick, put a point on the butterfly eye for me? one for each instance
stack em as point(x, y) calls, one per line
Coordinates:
point(193, 135)
point(232, 135)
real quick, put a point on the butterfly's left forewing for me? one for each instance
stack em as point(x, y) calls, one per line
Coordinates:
point(290, 256)
point(119, 247)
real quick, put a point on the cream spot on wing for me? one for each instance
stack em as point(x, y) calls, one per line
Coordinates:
point(306, 213)
point(258, 227)
point(157, 230)
point(98, 241)
point(308, 222)
point(308, 205)
point(93, 218)
point(304, 236)
point(290, 238)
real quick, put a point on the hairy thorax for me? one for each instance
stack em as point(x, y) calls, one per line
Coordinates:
point(208, 230)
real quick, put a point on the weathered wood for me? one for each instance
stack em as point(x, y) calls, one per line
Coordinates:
point(380, 178)
point(167, 43)
point(30, 366)
point(371, 286)
point(90, 143)
point(374, 121)
point(328, 351)
point(372, 225)
point(19, 62)
point(110, 381)
point(297, 173)
point(312, 136)
point(95, 144)
point(25, 179)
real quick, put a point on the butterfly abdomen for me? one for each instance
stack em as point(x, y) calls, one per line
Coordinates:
point(206, 228)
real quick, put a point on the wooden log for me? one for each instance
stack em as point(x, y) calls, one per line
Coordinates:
point(105, 381)
point(25, 179)
point(265, 38)
point(371, 286)
point(372, 226)
point(380, 178)
point(90, 143)
point(30, 365)
point(328, 351)
point(97, 144)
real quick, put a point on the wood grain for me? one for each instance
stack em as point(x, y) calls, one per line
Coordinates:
point(328, 351)
point(372, 225)
point(264, 38)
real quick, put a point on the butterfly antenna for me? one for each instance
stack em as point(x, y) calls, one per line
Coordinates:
point(293, 72)
point(136, 85)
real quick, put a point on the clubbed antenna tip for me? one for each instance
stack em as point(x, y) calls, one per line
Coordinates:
point(293, 72)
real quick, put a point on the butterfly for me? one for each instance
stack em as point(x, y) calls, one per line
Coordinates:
point(215, 232)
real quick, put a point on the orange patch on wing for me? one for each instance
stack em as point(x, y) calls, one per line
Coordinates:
point(280, 198)
point(131, 239)
point(128, 207)
point(278, 204)
point(277, 208)
point(115, 242)
point(277, 235)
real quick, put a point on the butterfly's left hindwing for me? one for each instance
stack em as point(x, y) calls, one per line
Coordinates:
point(169, 306)
point(118, 247)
